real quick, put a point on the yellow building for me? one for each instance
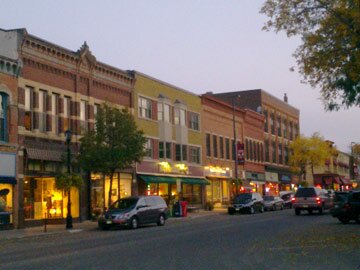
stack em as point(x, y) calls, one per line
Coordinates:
point(170, 119)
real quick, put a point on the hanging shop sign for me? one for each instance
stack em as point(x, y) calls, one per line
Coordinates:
point(240, 153)
point(216, 171)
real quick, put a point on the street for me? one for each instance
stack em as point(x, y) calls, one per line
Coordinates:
point(272, 240)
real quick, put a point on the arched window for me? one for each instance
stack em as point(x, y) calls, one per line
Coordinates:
point(3, 116)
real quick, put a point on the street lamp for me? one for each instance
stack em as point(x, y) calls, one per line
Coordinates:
point(69, 224)
point(234, 144)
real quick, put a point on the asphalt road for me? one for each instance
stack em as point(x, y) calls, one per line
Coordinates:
point(273, 240)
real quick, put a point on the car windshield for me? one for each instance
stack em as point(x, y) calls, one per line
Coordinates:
point(243, 198)
point(124, 203)
point(286, 197)
point(305, 192)
point(269, 198)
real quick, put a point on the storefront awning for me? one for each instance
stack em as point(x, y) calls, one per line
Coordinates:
point(172, 180)
point(255, 176)
point(44, 154)
point(345, 181)
point(7, 180)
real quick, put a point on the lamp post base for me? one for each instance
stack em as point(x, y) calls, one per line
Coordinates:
point(69, 224)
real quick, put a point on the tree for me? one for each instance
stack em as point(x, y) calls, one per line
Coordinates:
point(114, 144)
point(329, 56)
point(313, 152)
point(65, 182)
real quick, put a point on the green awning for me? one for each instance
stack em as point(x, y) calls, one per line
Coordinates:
point(172, 180)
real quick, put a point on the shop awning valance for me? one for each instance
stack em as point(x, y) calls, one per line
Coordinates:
point(345, 181)
point(44, 154)
point(8, 180)
point(172, 180)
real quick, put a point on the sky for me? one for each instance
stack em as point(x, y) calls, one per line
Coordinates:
point(197, 45)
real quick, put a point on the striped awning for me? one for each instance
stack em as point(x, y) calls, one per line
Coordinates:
point(44, 154)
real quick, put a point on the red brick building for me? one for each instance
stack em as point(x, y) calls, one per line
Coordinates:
point(56, 90)
point(219, 153)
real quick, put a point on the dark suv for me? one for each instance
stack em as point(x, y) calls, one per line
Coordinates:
point(134, 211)
point(247, 203)
point(311, 198)
point(346, 206)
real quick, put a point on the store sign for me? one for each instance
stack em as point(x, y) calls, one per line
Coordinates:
point(216, 171)
point(7, 165)
point(179, 168)
point(240, 153)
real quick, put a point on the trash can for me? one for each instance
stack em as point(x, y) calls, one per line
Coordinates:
point(184, 208)
point(177, 209)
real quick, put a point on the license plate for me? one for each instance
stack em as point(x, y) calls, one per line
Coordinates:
point(108, 222)
point(305, 206)
point(237, 209)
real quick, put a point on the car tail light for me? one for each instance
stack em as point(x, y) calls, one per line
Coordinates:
point(318, 200)
point(347, 206)
point(293, 199)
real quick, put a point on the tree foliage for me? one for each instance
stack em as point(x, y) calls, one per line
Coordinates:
point(114, 144)
point(329, 56)
point(65, 181)
point(313, 152)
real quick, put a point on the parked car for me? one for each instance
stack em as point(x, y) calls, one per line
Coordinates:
point(287, 196)
point(273, 203)
point(134, 211)
point(346, 206)
point(247, 203)
point(310, 199)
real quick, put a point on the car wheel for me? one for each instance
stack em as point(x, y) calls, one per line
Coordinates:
point(161, 221)
point(297, 212)
point(344, 220)
point(274, 207)
point(321, 210)
point(134, 223)
point(231, 211)
point(310, 212)
point(252, 210)
point(282, 207)
point(262, 209)
point(357, 219)
point(104, 227)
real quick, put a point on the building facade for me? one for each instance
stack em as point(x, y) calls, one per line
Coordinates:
point(58, 90)
point(170, 119)
point(220, 149)
point(280, 127)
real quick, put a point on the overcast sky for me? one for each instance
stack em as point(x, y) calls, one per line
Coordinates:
point(200, 46)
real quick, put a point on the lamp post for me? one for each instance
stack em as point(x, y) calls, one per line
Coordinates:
point(69, 224)
point(234, 144)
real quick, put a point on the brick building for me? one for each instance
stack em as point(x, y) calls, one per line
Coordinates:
point(280, 127)
point(55, 90)
point(219, 152)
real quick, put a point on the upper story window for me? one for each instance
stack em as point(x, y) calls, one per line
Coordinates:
point(164, 112)
point(194, 121)
point(165, 150)
point(180, 117)
point(267, 150)
point(215, 150)
point(145, 108)
point(279, 126)
point(273, 148)
point(42, 110)
point(67, 101)
point(227, 148)
point(54, 112)
point(221, 145)
point(180, 152)
point(83, 104)
point(272, 124)
point(208, 146)
point(266, 122)
point(3, 116)
point(195, 155)
point(284, 128)
point(28, 121)
point(148, 148)
point(291, 131)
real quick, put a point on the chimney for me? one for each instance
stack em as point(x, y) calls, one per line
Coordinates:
point(285, 98)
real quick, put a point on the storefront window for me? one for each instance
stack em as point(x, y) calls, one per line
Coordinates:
point(6, 206)
point(42, 199)
point(191, 193)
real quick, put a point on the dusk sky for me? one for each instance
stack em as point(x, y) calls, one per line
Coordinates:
point(200, 46)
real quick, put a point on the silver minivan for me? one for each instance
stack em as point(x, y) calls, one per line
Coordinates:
point(311, 198)
point(134, 211)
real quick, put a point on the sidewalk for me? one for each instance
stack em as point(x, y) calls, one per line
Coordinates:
point(87, 226)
